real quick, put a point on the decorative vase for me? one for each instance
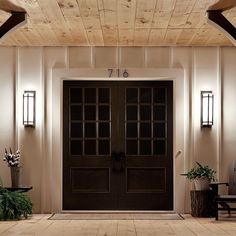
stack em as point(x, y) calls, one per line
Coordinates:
point(201, 183)
point(15, 176)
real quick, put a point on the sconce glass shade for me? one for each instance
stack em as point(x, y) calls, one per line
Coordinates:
point(29, 108)
point(207, 103)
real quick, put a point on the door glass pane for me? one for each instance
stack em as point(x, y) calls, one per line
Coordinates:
point(90, 112)
point(104, 113)
point(76, 95)
point(104, 147)
point(76, 147)
point(145, 130)
point(145, 147)
point(76, 130)
point(131, 147)
point(90, 130)
point(159, 130)
point(145, 112)
point(104, 95)
point(90, 147)
point(146, 121)
point(131, 95)
point(159, 147)
point(90, 95)
point(159, 113)
point(132, 113)
point(104, 130)
point(76, 112)
point(131, 130)
point(145, 95)
point(159, 95)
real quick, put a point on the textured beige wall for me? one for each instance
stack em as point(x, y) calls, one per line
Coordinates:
point(228, 147)
point(205, 78)
point(29, 77)
point(7, 113)
point(24, 68)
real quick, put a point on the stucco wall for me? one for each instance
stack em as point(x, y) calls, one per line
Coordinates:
point(204, 68)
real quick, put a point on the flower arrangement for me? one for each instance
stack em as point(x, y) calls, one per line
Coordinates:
point(12, 159)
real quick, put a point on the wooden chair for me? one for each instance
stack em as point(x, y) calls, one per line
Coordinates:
point(222, 201)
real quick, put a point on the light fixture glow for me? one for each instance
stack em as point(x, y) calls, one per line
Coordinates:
point(29, 108)
point(207, 100)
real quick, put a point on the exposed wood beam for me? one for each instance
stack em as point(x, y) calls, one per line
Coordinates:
point(14, 21)
point(17, 18)
point(223, 5)
point(217, 19)
point(8, 6)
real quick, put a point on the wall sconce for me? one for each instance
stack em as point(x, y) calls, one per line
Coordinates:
point(29, 108)
point(207, 100)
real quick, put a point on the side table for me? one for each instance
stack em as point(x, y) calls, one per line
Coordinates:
point(202, 203)
point(19, 189)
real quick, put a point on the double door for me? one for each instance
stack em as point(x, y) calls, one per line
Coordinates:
point(117, 145)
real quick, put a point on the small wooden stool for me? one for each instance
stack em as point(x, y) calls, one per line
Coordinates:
point(202, 203)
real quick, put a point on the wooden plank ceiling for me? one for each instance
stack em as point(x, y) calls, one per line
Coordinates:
point(116, 23)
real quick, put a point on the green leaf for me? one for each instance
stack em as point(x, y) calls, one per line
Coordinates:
point(14, 205)
point(200, 171)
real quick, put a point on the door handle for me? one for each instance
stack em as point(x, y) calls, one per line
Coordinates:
point(118, 159)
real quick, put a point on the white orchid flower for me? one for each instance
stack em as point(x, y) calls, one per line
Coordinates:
point(11, 158)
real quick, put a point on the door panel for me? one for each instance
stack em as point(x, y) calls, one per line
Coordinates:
point(92, 180)
point(136, 179)
point(118, 145)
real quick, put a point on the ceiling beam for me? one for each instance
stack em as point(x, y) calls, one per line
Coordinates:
point(8, 6)
point(217, 19)
point(223, 5)
point(17, 18)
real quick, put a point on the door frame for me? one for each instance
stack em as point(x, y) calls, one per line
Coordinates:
point(56, 120)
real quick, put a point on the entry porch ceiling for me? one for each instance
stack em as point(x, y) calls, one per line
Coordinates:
point(116, 23)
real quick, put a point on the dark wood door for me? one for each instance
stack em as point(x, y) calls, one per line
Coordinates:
point(118, 145)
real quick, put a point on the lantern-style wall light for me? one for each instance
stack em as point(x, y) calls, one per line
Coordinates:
point(207, 103)
point(29, 108)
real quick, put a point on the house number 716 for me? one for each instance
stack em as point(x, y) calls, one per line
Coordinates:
point(118, 72)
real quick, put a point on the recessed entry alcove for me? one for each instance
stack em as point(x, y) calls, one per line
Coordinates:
point(107, 152)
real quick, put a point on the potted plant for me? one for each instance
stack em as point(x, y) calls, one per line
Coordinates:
point(14, 205)
point(201, 176)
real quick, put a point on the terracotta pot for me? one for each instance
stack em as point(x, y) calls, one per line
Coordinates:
point(201, 183)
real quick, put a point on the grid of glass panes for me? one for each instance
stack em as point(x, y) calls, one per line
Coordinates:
point(90, 121)
point(146, 121)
